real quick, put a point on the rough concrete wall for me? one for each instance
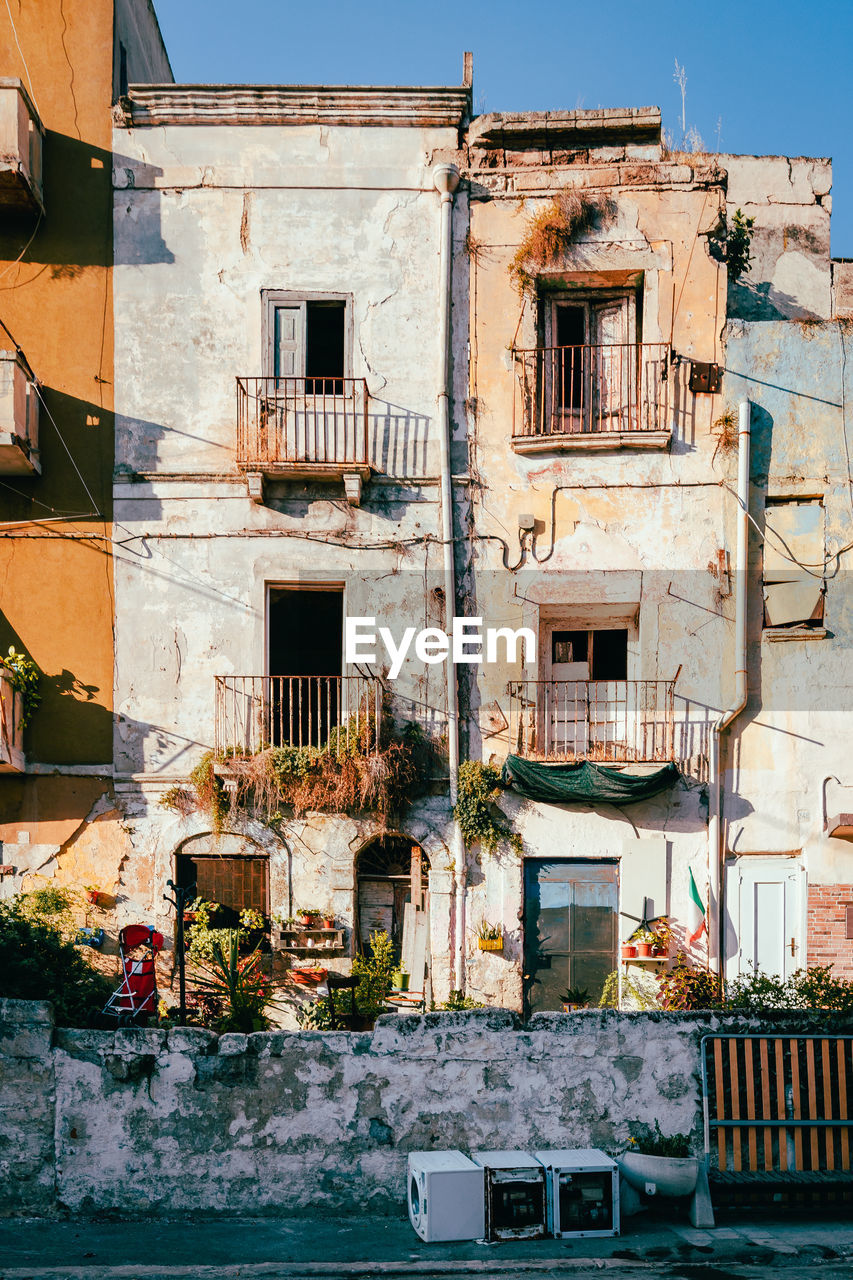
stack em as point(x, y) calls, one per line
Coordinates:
point(791, 757)
point(27, 1107)
point(790, 277)
point(150, 1121)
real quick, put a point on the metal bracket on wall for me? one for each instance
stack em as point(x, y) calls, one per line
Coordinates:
point(705, 377)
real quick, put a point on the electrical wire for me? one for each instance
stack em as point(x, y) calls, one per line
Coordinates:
point(23, 59)
point(786, 551)
point(95, 509)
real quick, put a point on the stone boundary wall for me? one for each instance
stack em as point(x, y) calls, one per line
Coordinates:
point(171, 1122)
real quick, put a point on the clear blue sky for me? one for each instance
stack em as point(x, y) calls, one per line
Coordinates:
point(763, 76)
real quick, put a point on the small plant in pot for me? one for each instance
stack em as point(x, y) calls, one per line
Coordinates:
point(489, 936)
point(644, 940)
point(662, 934)
point(252, 929)
point(629, 950)
point(400, 979)
point(327, 921)
point(574, 998)
point(306, 916)
point(659, 1164)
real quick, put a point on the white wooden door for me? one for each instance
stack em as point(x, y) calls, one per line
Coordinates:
point(611, 365)
point(765, 908)
point(565, 713)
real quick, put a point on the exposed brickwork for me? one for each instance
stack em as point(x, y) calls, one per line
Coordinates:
point(826, 941)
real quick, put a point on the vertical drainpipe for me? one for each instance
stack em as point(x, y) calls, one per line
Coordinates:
point(446, 180)
point(716, 852)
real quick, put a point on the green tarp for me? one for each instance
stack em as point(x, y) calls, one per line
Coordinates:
point(585, 781)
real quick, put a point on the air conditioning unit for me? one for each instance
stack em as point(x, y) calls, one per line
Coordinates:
point(515, 1195)
point(582, 1193)
point(446, 1200)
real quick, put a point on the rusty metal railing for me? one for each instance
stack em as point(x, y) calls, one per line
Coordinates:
point(302, 420)
point(591, 389)
point(618, 720)
point(334, 714)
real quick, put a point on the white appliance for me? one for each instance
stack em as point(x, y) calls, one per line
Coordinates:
point(582, 1193)
point(446, 1200)
point(515, 1195)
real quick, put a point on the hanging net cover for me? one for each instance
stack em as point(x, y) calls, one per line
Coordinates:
point(585, 781)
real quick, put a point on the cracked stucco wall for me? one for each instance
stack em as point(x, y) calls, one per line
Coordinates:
point(277, 1121)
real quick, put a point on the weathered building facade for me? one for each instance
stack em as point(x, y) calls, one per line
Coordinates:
point(61, 68)
point(378, 360)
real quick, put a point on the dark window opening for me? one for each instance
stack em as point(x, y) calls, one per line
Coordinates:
point(305, 646)
point(606, 652)
point(570, 324)
point(325, 347)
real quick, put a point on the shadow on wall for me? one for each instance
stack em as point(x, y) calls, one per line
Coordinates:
point(77, 229)
point(399, 440)
point(750, 300)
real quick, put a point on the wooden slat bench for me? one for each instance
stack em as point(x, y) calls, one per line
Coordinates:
point(777, 1112)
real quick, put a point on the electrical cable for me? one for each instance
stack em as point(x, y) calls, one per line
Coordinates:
point(23, 59)
point(786, 551)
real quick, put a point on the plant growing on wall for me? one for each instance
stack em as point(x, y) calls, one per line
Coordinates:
point(24, 676)
point(479, 788)
point(730, 243)
point(552, 230)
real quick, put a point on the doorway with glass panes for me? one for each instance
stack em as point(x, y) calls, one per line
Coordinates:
point(570, 929)
point(591, 354)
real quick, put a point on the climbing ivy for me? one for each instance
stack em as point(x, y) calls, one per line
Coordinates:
point(475, 811)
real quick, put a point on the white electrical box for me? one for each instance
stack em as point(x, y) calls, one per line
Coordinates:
point(582, 1193)
point(446, 1198)
point(515, 1195)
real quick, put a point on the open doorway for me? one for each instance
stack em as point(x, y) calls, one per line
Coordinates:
point(305, 628)
point(391, 872)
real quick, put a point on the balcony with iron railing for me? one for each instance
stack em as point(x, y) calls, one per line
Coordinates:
point(332, 714)
point(592, 397)
point(303, 428)
point(621, 721)
point(21, 144)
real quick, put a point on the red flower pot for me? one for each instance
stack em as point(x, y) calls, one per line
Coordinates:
point(328, 922)
point(308, 977)
point(644, 948)
point(628, 951)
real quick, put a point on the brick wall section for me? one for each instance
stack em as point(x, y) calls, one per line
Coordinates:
point(826, 941)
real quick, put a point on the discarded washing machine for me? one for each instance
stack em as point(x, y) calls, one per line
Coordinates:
point(446, 1199)
point(514, 1193)
point(582, 1193)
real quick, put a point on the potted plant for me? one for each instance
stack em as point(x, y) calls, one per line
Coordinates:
point(309, 976)
point(400, 979)
point(629, 951)
point(307, 917)
point(662, 934)
point(252, 929)
point(644, 940)
point(328, 921)
point(574, 998)
point(489, 936)
point(660, 1164)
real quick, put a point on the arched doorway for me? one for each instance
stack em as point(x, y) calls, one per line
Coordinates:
point(391, 872)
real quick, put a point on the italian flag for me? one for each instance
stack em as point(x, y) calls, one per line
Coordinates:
point(696, 925)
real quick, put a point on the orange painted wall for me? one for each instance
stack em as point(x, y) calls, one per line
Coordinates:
point(56, 578)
